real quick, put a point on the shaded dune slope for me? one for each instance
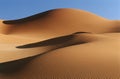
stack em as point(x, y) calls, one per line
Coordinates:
point(53, 23)
point(57, 44)
point(63, 63)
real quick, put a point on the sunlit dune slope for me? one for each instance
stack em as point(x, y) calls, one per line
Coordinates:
point(59, 22)
point(64, 42)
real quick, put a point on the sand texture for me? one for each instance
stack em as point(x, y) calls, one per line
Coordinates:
point(60, 44)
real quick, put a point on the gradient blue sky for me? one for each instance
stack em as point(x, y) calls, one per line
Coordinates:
point(14, 9)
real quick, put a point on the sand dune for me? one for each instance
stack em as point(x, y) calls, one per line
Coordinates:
point(52, 23)
point(59, 43)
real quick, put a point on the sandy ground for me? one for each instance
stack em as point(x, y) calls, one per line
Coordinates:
point(82, 54)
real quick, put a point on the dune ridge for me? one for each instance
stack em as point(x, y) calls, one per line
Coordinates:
point(73, 41)
point(74, 19)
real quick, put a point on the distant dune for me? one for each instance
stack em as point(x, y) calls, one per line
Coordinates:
point(60, 44)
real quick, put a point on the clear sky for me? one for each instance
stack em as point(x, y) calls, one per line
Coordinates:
point(14, 9)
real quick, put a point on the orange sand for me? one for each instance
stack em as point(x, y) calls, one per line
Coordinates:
point(96, 51)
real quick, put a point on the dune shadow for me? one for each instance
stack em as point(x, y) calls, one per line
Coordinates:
point(64, 40)
point(29, 18)
point(14, 66)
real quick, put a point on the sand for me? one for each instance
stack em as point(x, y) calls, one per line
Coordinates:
point(61, 44)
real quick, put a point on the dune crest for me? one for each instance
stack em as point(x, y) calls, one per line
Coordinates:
point(52, 23)
point(59, 43)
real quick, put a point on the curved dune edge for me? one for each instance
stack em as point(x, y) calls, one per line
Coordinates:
point(74, 19)
point(46, 13)
point(23, 37)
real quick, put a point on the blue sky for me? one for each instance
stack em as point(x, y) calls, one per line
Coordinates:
point(14, 9)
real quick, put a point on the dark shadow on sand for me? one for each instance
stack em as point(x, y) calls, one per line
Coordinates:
point(16, 65)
